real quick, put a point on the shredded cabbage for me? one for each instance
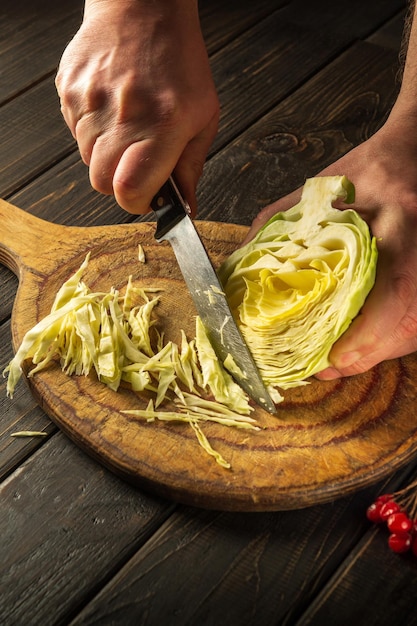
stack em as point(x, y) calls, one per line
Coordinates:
point(296, 287)
point(111, 335)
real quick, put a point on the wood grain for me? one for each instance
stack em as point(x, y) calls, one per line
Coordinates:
point(262, 568)
point(327, 439)
point(67, 524)
point(353, 578)
point(322, 120)
point(32, 37)
point(244, 558)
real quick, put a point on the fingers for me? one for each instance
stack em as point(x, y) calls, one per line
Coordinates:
point(356, 363)
point(385, 329)
point(141, 171)
point(134, 171)
point(133, 159)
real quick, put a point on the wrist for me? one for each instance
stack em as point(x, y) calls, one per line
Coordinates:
point(402, 121)
point(152, 19)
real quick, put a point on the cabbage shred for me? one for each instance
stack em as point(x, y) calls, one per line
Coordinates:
point(110, 335)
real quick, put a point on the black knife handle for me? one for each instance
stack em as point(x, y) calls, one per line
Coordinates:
point(169, 207)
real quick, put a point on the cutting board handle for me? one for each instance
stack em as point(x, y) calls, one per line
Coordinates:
point(25, 238)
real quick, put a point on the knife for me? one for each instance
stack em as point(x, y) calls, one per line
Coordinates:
point(175, 225)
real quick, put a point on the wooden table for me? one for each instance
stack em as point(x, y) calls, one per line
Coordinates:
point(300, 83)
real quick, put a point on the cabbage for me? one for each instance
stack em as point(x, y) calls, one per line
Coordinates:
point(104, 333)
point(296, 287)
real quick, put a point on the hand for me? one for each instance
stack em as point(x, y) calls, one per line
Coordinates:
point(384, 172)
point(137, 93)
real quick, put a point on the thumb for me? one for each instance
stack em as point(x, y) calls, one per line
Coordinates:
point(141, 171)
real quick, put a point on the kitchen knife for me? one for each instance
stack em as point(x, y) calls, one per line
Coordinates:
point(175, 225)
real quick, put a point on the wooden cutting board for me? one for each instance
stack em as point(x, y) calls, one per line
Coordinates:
point(327, 439)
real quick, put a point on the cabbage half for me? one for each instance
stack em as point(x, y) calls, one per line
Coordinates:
point(297, 286)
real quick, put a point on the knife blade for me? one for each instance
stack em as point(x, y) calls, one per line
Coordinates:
point(175, 225)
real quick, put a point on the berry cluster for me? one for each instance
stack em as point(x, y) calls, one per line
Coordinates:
point(402, 525)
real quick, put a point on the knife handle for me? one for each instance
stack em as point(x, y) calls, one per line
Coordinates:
point(169, 208)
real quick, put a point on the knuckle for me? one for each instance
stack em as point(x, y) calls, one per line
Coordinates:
point(405, 287)
point(102, 184)
point(99, 174)
point(123, 189)
point(408, 326)
point(162, 109)
point(196, 166)
point(126, 194)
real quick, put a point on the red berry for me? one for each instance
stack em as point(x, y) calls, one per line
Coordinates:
point(399, 523)
point(373, 512)
point(385, 497)
point(388, 508)
point(399, 542)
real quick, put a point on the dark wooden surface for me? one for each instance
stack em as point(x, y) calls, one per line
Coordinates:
point(300, 82)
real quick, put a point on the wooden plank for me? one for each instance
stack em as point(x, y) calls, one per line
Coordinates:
point(9, 284)
point(365, 574)
point(34, 136)
point(345, 20)
point(334, 111)
point(261, 568)
point(32, 42)
point(222, 21)
point(390, 34)
point(67, 524)
point(252, 74)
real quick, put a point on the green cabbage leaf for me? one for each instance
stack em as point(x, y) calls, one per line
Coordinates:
point(297, 286)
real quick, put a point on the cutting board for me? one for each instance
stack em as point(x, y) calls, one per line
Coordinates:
point(326, 440)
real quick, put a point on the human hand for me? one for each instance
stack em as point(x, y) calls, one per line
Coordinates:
point(137, 93)
point(384, 172)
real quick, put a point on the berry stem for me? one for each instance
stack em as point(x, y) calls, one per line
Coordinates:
point(407, 497)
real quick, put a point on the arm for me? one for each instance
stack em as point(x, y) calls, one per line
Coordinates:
point(384, 171)
point(137, 93)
